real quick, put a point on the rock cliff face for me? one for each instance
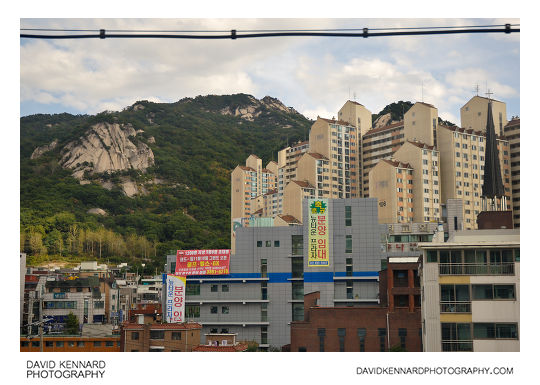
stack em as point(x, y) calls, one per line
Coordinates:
point(43, 149)
point(383, 120)
point(106, 148)
point(256, 108)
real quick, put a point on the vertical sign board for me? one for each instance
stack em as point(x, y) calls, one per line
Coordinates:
point(176, 298)
point(319, 252)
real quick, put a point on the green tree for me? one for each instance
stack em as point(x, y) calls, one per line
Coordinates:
point(72, 324)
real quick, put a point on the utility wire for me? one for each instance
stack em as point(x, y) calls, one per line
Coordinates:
point(260, 30)
point(235, 35)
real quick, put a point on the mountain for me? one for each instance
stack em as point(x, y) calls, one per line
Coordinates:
point(148, 179)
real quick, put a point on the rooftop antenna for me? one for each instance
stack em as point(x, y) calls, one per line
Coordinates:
point(489, 93)
point(477, 88)
point(354, 96)
point(349, 92)
point(422, 91)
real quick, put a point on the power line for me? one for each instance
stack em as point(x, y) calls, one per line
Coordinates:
point(234, 34)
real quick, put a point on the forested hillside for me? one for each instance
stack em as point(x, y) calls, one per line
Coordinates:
point(196, 142)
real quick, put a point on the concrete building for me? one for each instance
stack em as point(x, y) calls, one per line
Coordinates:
point(379, 143)
point(269, 274)
point(314, 169)
point(293, 195)
point(511, 132)
point(474, 115)
point(420, 124)
point(157, 337)
point(462, 157)
point(288, 160)
point(394, 324)
point(339, 142)
point(424, 160)
point(391, 183)
point(470, 292)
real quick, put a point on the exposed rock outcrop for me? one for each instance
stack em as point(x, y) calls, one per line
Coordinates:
point(256, 108)
point(97, 211)
point(105, 148)
point(43, 149)
point(383, 120)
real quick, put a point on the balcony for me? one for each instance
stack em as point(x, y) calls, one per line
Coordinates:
point(476, 269)
point(456, 307)
point(457, 346)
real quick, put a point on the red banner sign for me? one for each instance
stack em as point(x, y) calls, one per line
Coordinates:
point(202, 262)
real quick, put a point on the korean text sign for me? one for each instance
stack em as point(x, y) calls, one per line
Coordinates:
point(176, 298)
point(319, 251)
point(202, 262)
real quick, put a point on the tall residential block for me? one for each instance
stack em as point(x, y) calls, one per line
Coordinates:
point(462, 158)
point(511, 132)
point(420, 123)
point(474, 115)
point(424, 160)
point(338, 141)
point(391, 182)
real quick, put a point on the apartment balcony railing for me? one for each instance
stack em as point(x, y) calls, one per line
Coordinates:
point(456, 307)
point(457, 346)
point(476, 269)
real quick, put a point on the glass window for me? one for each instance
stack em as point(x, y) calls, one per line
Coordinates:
point(276, 243)
point(157, 334)
point(259, 243)
point(297, 311)
point(264, 268)
point(484, 330)
point(193, 289)
point(297, 267)
point(297, 244)
point(213, 309)
point(482, 291)
point(504, 292)
point(225, 288)
point(432, 255)
point(193, 311)
point(109, 343)
point(506, 331)
point(97, 343)
point(134, 335)
point(297, 289)
point(268, 243)
point(224, 310)
point(348, 216)
point(80, 344)
point(214, 288)
point(348, 243)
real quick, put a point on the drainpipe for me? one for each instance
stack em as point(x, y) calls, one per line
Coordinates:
point(388, 330)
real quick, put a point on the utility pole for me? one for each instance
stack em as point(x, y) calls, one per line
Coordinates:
point(40, 323)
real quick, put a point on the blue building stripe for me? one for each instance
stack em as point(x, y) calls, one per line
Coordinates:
point(358, 274)
point(279, 277)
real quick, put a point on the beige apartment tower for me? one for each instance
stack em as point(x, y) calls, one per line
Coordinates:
point(391, 182)
point(511, 131)
point(474, 115)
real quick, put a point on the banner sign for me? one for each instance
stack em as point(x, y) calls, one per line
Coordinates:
point(176, 298)
point(319, 253)
point(202, 262)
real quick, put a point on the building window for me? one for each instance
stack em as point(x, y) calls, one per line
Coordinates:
point(264, 312)
point(341, 335)
point(348, 243)
point(214, 288)
point(268, 243)
point(225, 288)
point(456, 337)
point(297, 267)
point(134, 336)
point(495, 331)
point(193, 311)
point(348, 216)
point(193, 289)
point(297, 311)
point(382, 339)
point(349, 289)
point(321, 332)
point(491, 292)
point(402, 333)
point(109, 343)
point(35, 344)
point(259, 243)
point(276, 243)
point(80, 344)
point(157, 334)
point(297, 289)
point(349, 267)
point(297, 244)
point(264, 268)
point(264, 290)
point(264, 335)
point(362, 339)
point(224, 310)
point(213, 309)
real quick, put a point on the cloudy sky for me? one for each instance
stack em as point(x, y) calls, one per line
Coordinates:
point(313, 75)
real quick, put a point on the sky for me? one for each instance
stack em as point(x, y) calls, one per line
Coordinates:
point(314, 75)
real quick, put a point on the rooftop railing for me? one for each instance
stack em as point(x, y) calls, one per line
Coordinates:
point(476, 269)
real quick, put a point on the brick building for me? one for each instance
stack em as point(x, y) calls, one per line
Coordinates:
point(154, 337)
point(394, 324)
point(75, 343)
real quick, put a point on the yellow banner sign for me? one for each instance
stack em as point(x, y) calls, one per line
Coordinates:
point(319, 251)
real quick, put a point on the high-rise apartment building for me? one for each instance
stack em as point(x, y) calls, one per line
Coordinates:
point(391, 182)
point(511, 132)
point(338, 141)
point(424, 160)
point(474, 115)
point(288, 160)
point(462, 158)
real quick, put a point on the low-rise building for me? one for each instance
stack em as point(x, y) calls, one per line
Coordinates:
point(470, 292)
point(156, 337)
